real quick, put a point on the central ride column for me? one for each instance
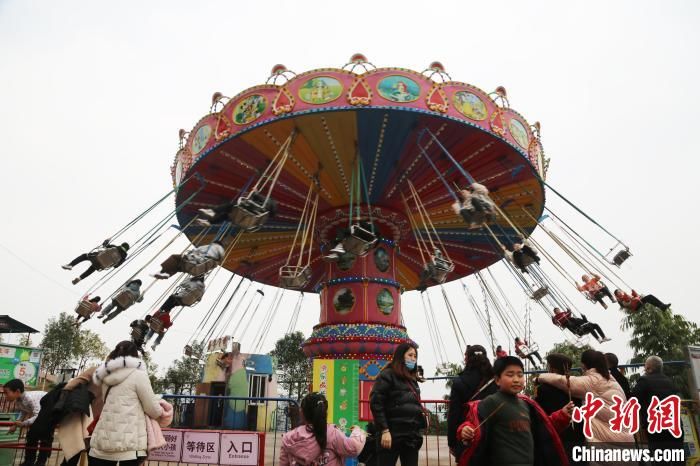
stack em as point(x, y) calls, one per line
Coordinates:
point(359, 328)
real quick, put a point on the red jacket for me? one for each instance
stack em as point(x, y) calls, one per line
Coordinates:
point(543, 438)
point(164, 317)
point(561, 319)
point(630, 302)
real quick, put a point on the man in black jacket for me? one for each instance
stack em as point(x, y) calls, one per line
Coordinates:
point(655, 383)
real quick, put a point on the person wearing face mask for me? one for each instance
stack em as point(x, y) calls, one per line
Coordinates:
point(398, 414)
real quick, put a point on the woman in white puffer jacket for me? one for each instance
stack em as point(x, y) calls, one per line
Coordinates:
point(120, 434)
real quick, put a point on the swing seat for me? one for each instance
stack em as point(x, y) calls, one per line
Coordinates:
point(359, 241)
point(621, 257)
point(529, 350)
point(294, 277)
point(248, 214)
point(84, 309)
point(137, 335)
point(106, 258)
point(540, 293)
point(582, 341)
point(156, 325)
point(198, 268)
point(188, 350)
point(438, 269)
point(124, 299)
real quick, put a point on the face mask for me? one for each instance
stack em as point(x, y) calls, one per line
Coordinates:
point(410, 364)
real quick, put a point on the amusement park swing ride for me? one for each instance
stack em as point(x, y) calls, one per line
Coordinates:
point(359, 184)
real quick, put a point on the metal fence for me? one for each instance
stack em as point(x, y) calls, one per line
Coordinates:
point(13, 447)
point(274, 416)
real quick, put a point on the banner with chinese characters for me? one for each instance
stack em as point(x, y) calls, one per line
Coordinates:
point(211, 447)
point(19, 362)
point(338, 379)
point(172, 450)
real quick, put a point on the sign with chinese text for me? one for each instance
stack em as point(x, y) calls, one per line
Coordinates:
point(239, 449)
point(172, 450)
point(200, 447)
point(19, 362)
point(661, 415)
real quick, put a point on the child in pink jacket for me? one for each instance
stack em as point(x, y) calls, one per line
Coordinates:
point(317, 443)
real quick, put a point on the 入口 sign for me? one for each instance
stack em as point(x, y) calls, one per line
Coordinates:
point(239, 449)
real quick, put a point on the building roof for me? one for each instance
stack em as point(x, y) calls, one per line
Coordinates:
point(10, 325)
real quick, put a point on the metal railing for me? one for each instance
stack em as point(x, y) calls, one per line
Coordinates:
point(435, 450)
point(13, 447)
point(274, 416)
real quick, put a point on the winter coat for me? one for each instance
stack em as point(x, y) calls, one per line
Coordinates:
point(134, 289)
point(299, 447)
point(601, 388)
point(46, 419)
point(395, 406)
point(654, 384)
point(77, 400)
point(72, 431)
point(120, 433)
point(213, 251)
point(622, 381)
point(464, 390)
point(549, 450)
point(552, 399)
point(164, 317)
point(191, 289)
point(140, 324)
point(592, 286)
point(525, 256)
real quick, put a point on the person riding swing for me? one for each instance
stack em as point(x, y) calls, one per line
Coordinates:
point(195, 262)
point(105, 257)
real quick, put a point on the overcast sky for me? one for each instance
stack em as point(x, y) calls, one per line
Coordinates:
point(92, 95)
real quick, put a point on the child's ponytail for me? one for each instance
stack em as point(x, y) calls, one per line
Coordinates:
point(314, 407)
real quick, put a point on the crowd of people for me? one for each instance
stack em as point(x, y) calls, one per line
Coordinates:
point(490, 421)
point(113, 405)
